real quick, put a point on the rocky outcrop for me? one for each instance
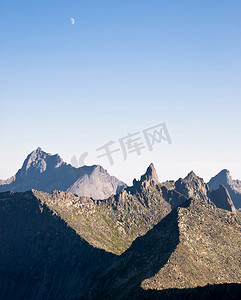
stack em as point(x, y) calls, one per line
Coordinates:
point(45, 172)
point(192, 186)
point(233, 186)
point(150, 178)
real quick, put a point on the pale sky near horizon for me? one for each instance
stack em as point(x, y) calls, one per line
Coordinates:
point(122, 67)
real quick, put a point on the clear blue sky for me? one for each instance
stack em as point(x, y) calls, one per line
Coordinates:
point(124, 66)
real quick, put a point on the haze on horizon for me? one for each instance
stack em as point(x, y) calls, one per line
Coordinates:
point(122, 68)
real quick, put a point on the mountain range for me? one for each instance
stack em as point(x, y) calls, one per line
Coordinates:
point(171, 240)
point(45, 172)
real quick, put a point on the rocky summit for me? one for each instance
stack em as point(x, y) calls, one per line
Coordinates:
point(170, 240)
point(45, 172)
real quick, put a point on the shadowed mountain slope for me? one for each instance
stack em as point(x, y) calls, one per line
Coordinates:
point(41, 256)
point(222, 199)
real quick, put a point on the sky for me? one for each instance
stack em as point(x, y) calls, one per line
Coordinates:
point(122, 68)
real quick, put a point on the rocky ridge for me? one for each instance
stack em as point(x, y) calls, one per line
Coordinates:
point(179, 253)
point(131, 213)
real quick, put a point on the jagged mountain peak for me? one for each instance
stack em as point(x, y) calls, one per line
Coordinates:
point(225, 171)
point(150, 174)
point(149, 178)
point(192, 186)
point(233, 186)
point(191, 175)
point(39, 149)
point(38, 152)
point(224, 175)
point(40, 160)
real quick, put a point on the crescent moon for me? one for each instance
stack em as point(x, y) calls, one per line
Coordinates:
point(72, 20)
